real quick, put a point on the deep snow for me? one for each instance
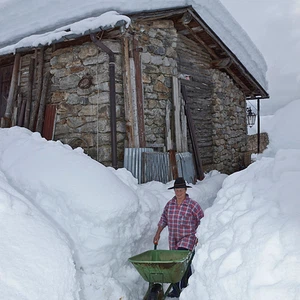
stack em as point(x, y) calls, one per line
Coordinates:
point(63, 212)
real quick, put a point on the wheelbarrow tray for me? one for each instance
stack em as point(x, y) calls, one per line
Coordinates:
point(164, 266)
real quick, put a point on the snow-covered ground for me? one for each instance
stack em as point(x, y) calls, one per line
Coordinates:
point(69, 224)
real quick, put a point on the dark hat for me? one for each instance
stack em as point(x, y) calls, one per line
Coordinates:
point(179, 184)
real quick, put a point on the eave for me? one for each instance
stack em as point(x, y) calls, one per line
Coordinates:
point(188, 23)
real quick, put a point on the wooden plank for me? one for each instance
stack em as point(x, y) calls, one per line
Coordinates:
point(40, 119)
point(136, 140)
point(22, 100)
point(29, 92)
point(177, 112)
point(36, 103)
point(169, 140)
point(184, 139)
point(6, 120)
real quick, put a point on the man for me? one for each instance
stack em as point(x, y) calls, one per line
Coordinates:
point(182, 216)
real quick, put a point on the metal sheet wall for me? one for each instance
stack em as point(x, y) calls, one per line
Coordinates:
point(133, 161)
point(147, 165)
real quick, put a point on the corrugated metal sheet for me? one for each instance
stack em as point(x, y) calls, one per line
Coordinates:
point(147, 165)
point(185, 166)
point(133, 161)
point(156, 166)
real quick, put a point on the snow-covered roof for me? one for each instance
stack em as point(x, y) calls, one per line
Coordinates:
point(44, 21)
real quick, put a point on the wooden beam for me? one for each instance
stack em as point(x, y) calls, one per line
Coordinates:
point(186, 18)
point(197, 38)
point(197, 29)
point(222, 63)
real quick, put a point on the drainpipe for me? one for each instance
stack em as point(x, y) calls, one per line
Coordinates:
point(112, 97)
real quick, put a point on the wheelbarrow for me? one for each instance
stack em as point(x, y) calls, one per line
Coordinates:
point(161, 266)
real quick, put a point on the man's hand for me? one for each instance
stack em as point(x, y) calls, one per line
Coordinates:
point(156, 238)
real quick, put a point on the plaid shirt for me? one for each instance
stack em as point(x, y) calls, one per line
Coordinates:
point(182, 221)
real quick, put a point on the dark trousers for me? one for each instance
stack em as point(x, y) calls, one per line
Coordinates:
point(184, 281)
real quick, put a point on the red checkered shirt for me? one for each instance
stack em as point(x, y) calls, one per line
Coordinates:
point(182, 221)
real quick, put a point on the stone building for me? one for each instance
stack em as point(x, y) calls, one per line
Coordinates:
point(167, 81)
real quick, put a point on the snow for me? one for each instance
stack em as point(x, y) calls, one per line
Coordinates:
point(69, 224)
point(100, 218)
point(250, 235)
point(44, 21)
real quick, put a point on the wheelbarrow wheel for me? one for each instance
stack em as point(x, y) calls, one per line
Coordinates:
point(156, 292)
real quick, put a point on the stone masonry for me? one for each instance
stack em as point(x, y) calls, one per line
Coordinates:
point(83, 114)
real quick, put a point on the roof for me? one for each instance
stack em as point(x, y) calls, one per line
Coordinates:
point(46, 21)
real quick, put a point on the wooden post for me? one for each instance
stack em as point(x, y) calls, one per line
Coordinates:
point(36, 103)
point(6, 120)
point(177, 108)
point(22, 102)
point(29, 93)
point(258, 125)
point(40, 119)
point(134, 104)
point(173, 164)
point(16, 107)
point(139, 92)
point(128, 98)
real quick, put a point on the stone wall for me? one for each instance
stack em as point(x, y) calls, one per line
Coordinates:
point(229, 124)
point(158, 57)
point(83, 115)
point(252, 144)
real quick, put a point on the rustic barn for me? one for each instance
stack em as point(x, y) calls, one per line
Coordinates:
point(166, 82)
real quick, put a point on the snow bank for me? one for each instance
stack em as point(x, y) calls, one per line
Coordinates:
point(283, 128)
point(105, 214)
point(249, 239)
point(35, 257)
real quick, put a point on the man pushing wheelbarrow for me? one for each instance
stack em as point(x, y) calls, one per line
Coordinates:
point(182, 216)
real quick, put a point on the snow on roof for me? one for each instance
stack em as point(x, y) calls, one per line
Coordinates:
point(44, 21)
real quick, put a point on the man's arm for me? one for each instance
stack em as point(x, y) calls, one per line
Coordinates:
point(157, 235)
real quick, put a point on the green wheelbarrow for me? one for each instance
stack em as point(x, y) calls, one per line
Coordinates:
point(161, 266)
